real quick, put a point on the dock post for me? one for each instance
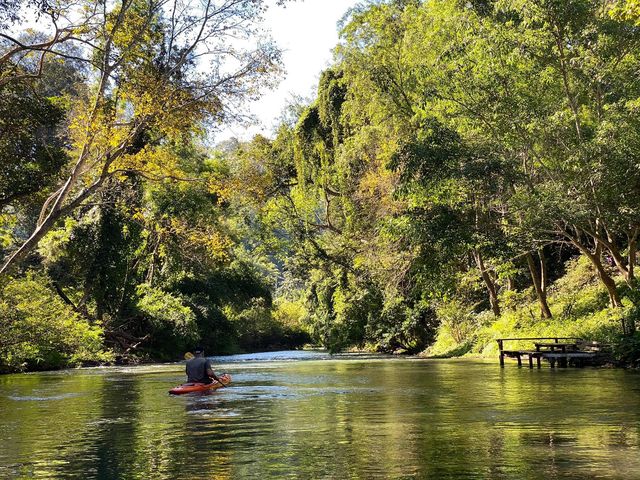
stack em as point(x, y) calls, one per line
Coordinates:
point(519, 360)
point(538, 361)
point(500, 345)
point(530, 361)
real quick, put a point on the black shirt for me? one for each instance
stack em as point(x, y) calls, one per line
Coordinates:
point(197, 370)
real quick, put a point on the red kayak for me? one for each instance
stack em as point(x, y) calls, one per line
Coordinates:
point(200, 387)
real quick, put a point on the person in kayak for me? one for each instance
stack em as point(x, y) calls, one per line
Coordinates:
point(199, 369)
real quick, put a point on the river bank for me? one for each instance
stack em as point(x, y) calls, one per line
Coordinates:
point(578, 303)
point(580, 308)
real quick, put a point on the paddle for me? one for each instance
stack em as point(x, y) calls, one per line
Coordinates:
point(222, 383)
point(189, 356)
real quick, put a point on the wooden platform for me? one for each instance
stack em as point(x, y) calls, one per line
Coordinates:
point(565, 351)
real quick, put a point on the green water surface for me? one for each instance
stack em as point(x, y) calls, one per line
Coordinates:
point(311, 416)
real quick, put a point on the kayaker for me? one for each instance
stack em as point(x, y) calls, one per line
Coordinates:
point(199, 369)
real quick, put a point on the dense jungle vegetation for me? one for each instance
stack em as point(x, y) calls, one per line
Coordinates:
point(467, 170)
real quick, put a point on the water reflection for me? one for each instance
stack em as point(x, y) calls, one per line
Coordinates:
point(324, 418)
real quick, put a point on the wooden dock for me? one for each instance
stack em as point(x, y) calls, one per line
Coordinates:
point(563, 351)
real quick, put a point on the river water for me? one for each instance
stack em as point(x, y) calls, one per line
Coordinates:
point(308, 415)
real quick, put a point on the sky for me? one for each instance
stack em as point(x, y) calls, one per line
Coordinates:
point(307, 31)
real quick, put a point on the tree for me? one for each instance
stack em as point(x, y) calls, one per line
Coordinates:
point(31, 154)
point(542, 85)
point(161, 70)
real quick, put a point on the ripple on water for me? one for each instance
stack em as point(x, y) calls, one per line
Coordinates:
point(34, 398)
point(107, 421)
point(208, 412)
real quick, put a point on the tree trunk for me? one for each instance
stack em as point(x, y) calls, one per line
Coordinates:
point(619, 261)
point(16, 257)
point(538, 284)
point(608, 282)
point(491, 286)
point(56, 212)
point(624, 265)
point(631, 256)
point(544, 277)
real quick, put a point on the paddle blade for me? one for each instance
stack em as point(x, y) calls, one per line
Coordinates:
point(189, 356)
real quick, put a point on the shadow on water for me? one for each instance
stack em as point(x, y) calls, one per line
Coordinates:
point(352, 417)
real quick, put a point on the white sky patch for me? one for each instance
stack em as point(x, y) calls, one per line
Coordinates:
point(307, 31)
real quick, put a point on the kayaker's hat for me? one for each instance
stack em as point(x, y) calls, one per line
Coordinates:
point(198, 349)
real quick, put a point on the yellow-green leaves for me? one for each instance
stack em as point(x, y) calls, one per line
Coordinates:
point(626, 9)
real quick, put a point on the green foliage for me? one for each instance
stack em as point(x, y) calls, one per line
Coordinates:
point(39, 331)
point(456, 321)
point(627, 350)
point(626, 9)
point(578, 303)
point(289, 313)
point(456, 156)
point(166, 311)
point(261, 328)
point(340, 309)
point(31, 154)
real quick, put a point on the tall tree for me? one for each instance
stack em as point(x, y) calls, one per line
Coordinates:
point(161, 70)
point(543, 83)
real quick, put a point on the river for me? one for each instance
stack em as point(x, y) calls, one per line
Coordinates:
point(308, 415)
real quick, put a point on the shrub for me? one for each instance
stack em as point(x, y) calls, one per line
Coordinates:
point(39, 331)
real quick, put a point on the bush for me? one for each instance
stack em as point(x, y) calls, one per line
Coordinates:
point(39, 331)
point(627, 350)
point(458, 327)
point(166, 312)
